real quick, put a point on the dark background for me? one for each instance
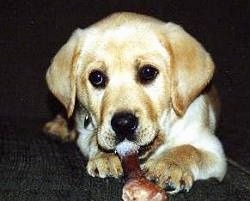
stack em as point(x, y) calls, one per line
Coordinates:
point(36, 167)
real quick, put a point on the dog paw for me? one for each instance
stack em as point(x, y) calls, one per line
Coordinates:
point(58, 127)
point(105, 165)
point(169, 175)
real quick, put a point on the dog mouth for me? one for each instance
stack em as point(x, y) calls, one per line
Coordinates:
point(144, 151)
point(146, 139)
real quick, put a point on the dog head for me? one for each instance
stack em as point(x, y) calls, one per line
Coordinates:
point(129, 71)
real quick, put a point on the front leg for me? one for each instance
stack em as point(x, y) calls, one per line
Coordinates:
point(100, 164)
point(176, 168)
point(104, 165)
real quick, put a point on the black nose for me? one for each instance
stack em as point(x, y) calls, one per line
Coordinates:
point(124, 124)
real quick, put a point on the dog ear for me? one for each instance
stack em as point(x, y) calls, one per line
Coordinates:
point(191, 67)
point(61, 75)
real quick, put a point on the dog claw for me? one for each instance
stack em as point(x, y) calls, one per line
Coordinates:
point(170, 187)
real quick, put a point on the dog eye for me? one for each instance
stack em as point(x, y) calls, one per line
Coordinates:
point(147, 74)
point(98, 79)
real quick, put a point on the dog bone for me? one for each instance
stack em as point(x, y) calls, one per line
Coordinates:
point(137, 187)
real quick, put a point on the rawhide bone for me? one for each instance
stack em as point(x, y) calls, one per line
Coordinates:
point(137, 187)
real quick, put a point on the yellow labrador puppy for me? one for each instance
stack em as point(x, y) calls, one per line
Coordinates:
point(140, 79)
